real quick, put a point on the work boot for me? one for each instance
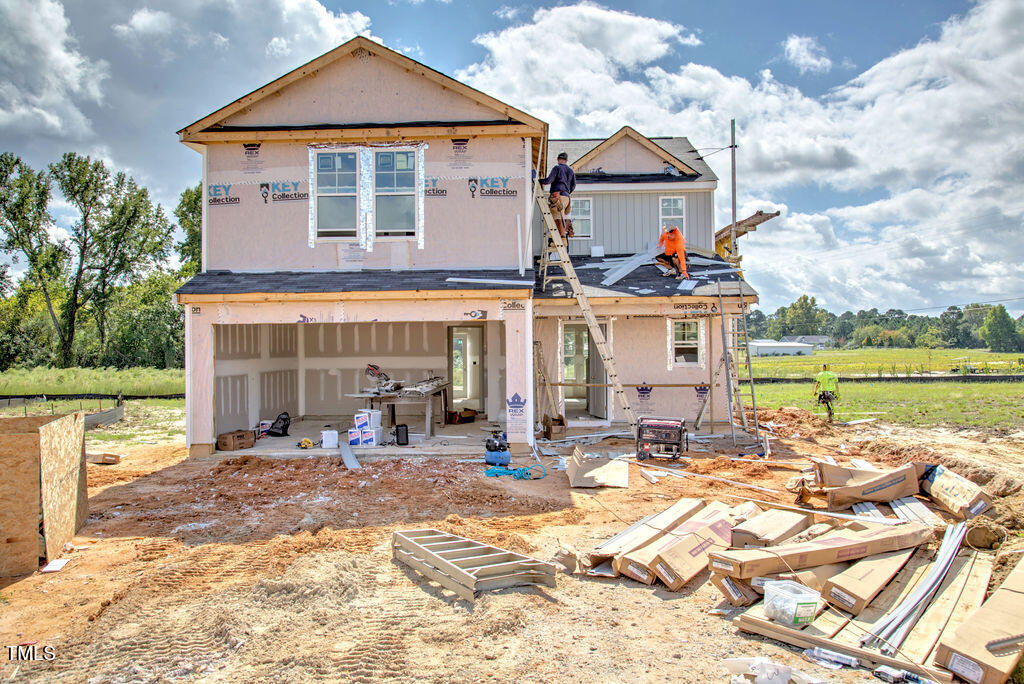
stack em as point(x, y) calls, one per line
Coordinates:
point(669, 273)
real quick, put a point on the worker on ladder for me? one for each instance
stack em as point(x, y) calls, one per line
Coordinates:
point(674, 256)
point(562, 180)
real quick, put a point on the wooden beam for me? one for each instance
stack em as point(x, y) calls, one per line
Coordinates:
point(360, 295)
point(359, 134)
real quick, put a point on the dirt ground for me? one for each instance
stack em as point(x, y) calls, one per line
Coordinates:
point(244, 569)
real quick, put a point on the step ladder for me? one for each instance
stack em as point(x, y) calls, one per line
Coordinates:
point(546, 262)
point(596, 334)
point(542, 375)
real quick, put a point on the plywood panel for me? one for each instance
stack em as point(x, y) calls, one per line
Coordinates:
point(19, 500)
point(62, 480)
point(23, 425)
point(232, 403)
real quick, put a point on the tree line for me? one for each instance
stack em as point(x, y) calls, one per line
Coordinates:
point(94, 289)
point(971, 326)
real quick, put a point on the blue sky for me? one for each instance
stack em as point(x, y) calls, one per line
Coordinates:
point(887, 133)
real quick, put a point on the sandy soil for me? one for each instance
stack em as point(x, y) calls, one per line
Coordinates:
point(242, 569)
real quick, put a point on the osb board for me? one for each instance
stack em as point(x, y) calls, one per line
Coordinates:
point(596, 472)
point(19, 504)
point(27, 424)
point(62, 480)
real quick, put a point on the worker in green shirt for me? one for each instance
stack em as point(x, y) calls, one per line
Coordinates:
point(826, 388)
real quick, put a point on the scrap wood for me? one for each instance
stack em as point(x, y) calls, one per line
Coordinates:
point(804, 639)
point(816, 511)
point(103, 459)
point(685, 474)
point(584, 472)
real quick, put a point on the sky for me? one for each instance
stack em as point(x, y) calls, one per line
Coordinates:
point(887, 132)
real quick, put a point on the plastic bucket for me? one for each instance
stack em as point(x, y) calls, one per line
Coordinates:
point(329, 439)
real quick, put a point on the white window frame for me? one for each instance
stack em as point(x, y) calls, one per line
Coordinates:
point(316, 196)
point(377, 236)
point(701, 343)
point(589, 217)
point(358, 150)
point(682, 219)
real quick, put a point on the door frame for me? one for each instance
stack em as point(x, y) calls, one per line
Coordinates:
point(483, 359)
point(607, 321)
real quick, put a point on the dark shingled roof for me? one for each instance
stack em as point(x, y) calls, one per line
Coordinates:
point(678, 147)
point(230, 282)
point(644, 281)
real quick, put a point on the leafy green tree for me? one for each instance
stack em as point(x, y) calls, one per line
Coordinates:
point(757, 324)
point(951, 323)
point(189, 213)
point(930, 339)
point(998, 330)
point(802, 316)
point(867, 335)
point(147, 328)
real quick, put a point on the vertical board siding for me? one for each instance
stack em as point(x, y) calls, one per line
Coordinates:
point(624, 222)
point(232, 403)
point(284, 340)
point(279, 391)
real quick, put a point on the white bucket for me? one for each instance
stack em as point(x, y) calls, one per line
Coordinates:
point(329, 439)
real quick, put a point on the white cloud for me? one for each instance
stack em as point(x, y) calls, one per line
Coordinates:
point(146, 23)
point(44, 78)
point(932, 130)
point(278, 47)
point(806, 54)
point(507, 13)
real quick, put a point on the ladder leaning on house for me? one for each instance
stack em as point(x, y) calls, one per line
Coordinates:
point(735, 353)
point(596, 334)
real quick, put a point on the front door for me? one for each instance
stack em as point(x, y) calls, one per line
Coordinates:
point(597, 397)
point(466, 366)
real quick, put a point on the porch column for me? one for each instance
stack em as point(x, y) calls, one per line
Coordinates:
point(199, 379)
point(518, 317)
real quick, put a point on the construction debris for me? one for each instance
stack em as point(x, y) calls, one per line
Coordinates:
point(103, 459)
point(466, 566)
point(596, 472)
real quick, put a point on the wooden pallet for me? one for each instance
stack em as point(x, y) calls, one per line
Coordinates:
point(962, 590)
point(466, 566)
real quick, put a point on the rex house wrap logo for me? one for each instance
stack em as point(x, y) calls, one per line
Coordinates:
point(282, 191)
point(495, 186)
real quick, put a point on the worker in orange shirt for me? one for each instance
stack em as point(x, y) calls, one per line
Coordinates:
point(674, 256)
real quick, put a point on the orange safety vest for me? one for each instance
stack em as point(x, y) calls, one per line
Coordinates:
point(673, 245)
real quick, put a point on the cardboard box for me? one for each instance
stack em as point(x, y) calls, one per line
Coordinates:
point(362, 420)
point(963, 652)
point(354, 435)
point(854, 589)
point(370, 436)
point(744, 511)
point(736, 591)
point(237, 439)
point(883, 486)
point(554, 428)
point(812, 578)
point(953, 492)
point(680, 554)
point(843, 545)
point(646, 532)
point(769, 528)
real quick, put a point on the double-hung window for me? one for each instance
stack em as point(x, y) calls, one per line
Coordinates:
point(394, 189)
point(582, 219)
point(673, 213)
point(686, 343)
point(336, 200)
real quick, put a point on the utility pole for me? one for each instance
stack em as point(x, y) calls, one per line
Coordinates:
point(732, 148)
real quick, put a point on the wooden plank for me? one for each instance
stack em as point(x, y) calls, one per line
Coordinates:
point(19, 500)
point(515, 580)
point(471, 552)
point(924, 514)
point(455, 572)
point(800, 638)
point(922, 637)
point(902, 512)
point(971, 598)
point(485, 557)
point(499, 569)
point(450, 545)
point(434, 574)
point(829, 623)
point(898, 589)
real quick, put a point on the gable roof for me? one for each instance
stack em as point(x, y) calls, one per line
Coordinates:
point(629, 132)
point(679, 149)
point(507, 112)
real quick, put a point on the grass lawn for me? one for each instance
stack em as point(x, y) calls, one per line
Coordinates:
point(997, 406)
point(138, 381)
point(886, 361)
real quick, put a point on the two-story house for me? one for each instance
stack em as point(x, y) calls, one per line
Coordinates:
point(365, 208)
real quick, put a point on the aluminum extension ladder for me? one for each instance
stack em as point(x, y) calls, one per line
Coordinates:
point(596, 334)
point(542, 375)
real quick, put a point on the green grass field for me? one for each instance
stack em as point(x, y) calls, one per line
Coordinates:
point(139, 381)
point(997, 406)
point(886, 361)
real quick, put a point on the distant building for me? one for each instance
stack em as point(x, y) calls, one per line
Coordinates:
point(779, 348)
point(818, 341)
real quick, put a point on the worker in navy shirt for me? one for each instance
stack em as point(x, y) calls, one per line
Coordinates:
point(562, 181)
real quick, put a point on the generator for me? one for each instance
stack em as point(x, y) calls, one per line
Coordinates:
point(661, 437)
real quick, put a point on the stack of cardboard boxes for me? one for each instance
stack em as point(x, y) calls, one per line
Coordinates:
point(367, 430)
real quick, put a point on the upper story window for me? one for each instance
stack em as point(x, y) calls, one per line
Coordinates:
point(394, 187)
point(365, 193)
point(336, 194)
point(673, 213)
point(582, 220)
